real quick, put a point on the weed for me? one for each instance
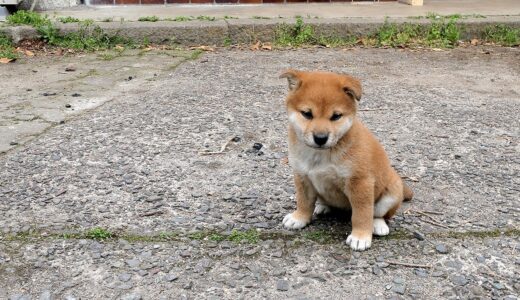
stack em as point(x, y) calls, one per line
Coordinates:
point(68, 19)
point(206, 18)
point(260, 18)
point(196, 54)
point(229, 17)
point(7, 49)
point(148, 19)
point(109, 20)
point(295, 35)
point(197, 236)
point(216, 237)
point(250, 236)
point(227, 41)
point(98, 233)
point(23, 17)
point(502, 35)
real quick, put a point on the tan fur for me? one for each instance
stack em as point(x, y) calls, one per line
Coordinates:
point(353, 170)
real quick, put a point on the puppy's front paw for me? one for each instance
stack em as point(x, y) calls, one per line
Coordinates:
point(359, 244)
point(321, 209)
point(380, 227)
point(291, 222)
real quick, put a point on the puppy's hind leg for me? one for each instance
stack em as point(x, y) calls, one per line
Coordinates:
point(386, 207)
point(321, 208)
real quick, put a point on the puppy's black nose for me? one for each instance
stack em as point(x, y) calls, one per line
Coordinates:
point(320, 139)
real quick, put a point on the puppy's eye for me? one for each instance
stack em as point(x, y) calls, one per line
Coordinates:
point(307, 114)
point(336, 117)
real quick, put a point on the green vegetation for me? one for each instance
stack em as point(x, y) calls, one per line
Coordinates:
point(229, 17)
point(68, 19)
point(206, 18)
point(98, 233)
point(23, 17)
point(7, 49)
point(502, 35)
point(319, 236)
point(443, 33)
point(250, 236)
point(148, 19)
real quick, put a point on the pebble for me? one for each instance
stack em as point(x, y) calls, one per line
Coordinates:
point(421, 273)
point(132, 296)
point(377, 270)
point(188, 285)
point(170, 277)
point(418, 235)
point(20, 297)
point(282, 285)
point(398, 280)
point(441, 248)
point(46, 295)
point(498, 286)
point(133, 263)
point(70, 68)
point(124, 277)
point(399, 289)
point(459, 280)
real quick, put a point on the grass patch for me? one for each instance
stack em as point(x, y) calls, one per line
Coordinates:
point(181, 19)
point(206, 18)
point(23, 17)
point(229, 17)
point(68, 19)
point(502, 35)
point(7, 49)
point(295, 35)
point(148, 19)
point(319, 236)
point(98, 233)
point(250, 236)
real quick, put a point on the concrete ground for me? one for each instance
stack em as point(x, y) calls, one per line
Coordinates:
point(373, 10)
point(136, 166)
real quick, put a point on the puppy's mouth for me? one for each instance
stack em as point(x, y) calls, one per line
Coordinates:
point(314, 146)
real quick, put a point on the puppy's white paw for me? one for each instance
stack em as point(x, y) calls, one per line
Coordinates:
point(380, 227)
point(290, 222)
point(359, 244)
point(321, 209)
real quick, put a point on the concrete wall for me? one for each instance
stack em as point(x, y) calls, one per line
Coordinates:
point(49, 4)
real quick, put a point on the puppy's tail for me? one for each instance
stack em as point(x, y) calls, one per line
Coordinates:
point(407, 192)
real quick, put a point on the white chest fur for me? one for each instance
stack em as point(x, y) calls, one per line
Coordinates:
point(327, 171)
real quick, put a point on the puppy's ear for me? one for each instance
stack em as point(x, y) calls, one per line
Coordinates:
point(292, 78)
point(352, 87)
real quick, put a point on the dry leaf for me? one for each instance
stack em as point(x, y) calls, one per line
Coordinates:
point(203, 48)
point(5, 60)
point(29, 53)
point(437, 49)
point(256, 46)
point(474, 42)
point(119, 47)
point(267, 46)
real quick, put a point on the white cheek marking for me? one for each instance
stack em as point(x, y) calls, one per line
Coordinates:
point(384, 205)
point(343, 129)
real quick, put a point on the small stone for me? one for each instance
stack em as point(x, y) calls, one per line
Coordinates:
point(132, 297)
point(124, 277)
point(49, 94)
point(418, 235)
point(68, 105)
point(438, 274)
point(76, 95)
point(46, 295)
point(498, 286)
point(170, 277)
point(459, 280)
point(398, 280)
point(13, 143)
point(481, 259)
point(188, 285)
point(377, 270)
point(303, 269)
point(257, 146)
point(441, 248)
point(399, 289)
point(20, 297)
point(421, 273)
point(133, 263)
point(282, 285)
point(70, 68)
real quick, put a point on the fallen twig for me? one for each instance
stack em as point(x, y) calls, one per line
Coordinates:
point(222, 149)
point(434, 223)
point(399, 263)
point(412, 178)
point(372, 109)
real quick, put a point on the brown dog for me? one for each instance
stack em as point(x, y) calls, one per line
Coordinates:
point(336, 160)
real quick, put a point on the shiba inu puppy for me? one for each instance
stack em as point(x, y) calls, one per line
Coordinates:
point(337, 161)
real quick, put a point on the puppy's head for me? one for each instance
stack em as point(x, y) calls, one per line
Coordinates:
point(321, 106)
